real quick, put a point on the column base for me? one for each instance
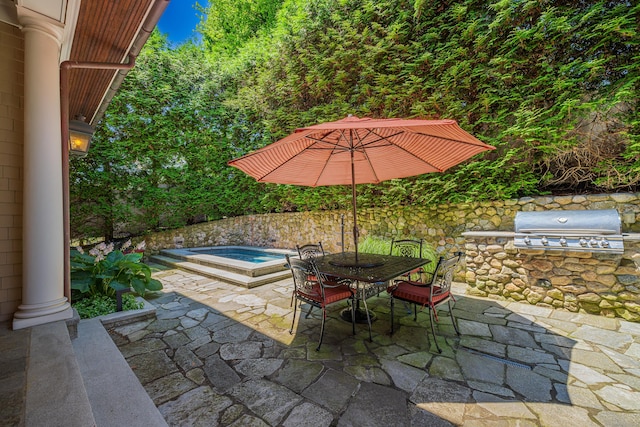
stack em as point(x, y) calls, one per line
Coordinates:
point(28, 316)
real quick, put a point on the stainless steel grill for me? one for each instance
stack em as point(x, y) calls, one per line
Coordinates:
point(590, 230)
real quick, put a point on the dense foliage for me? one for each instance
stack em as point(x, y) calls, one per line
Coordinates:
point(100, 305)
point(552, 84)
point(104, 271)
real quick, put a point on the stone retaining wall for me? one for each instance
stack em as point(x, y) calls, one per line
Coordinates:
point(493, 269)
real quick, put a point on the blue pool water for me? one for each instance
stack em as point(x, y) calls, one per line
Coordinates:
point(248, 255)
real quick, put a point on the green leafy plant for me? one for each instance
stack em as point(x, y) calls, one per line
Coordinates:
point(103, 271)
point(99, 305)
point(378, 245)
point(374, 245)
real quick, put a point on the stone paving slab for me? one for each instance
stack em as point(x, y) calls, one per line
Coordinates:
point(13, 373)
point(222, 355)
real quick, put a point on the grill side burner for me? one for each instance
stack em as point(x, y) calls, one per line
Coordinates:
point(570, 230)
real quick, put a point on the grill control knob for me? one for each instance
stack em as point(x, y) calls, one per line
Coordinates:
point(563, 241)
point(593, 242)
point(604, 243)
point(527, 240)
point(544, 240)
point(583, 242)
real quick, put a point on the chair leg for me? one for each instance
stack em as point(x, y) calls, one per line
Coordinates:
point(306, 316)
point(353, 317)
point(407, 307)
point(453, 319)
point(392, 304)
point(366, 310)
point(324, 317)
point(293, 321)
point(435, 314)
point(433, 328)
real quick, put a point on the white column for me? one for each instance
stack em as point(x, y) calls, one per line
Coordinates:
point(43, 297)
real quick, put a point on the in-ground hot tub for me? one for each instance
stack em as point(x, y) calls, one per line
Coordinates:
point(246, 266)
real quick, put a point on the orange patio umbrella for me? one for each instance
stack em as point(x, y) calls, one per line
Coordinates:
point(361, 151)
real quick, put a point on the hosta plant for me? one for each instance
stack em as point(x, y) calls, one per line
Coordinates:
point(103, 271)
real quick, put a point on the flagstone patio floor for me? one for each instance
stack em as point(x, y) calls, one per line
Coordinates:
point(220, 355)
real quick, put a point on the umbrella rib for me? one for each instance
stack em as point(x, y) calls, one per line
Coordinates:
point(281, 165)
point(366, 155)
point(311, 147)
point(362, 146)
point(447, 139)
point(407, 151)
point(334, 148)
point(329, 145)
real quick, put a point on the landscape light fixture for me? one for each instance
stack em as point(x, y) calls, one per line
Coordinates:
point(80, 133)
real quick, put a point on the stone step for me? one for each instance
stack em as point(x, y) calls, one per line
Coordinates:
point(116, 395)
point(219, 274)
point(55, 392)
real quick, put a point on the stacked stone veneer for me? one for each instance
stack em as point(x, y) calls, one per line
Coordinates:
point(595, 283)
point(598, 283)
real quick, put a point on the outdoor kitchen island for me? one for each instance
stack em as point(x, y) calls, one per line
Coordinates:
point(595, 270)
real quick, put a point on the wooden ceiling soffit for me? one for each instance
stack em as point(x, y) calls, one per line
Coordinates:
point(107, 31)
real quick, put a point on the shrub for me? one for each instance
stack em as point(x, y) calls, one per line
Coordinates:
point(374, 245)
point(378, 245)
point(98, 305)
point(104, 271)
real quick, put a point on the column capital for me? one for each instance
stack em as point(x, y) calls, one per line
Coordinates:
point(33, 21)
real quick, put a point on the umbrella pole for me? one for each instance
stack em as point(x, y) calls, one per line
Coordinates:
point(353, 199)
point(342, 232)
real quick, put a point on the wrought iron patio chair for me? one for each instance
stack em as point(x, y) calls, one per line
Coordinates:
point(320, 292)
point(314, 250)
point(430, 294)
point(310, 250)
point(408, 248)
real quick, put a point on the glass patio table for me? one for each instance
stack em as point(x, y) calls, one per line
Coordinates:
point(370, 273)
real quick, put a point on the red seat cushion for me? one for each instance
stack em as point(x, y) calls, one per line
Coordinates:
point(417, 294)
point(312, 292)
point(337, 294)
point(331, 295)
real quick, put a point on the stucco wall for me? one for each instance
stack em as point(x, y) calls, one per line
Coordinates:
point(11, 170)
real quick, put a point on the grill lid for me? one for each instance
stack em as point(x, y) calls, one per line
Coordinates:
point(592, 222)
point(590, 230)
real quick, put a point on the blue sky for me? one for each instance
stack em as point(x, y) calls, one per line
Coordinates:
point(179, 20)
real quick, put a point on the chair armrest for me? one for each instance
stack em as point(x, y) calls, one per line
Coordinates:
point(413, 272)
point(427, 278)
point(331, 283)
point(340, 280)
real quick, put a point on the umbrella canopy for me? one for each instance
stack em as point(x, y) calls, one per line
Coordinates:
point(361, 150)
